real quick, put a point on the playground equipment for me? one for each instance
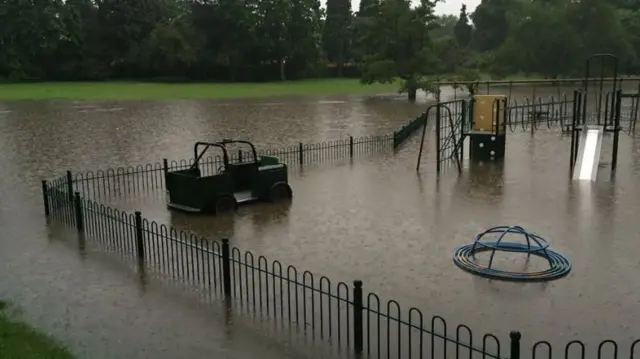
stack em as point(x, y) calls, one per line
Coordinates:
point(484, 120)
point(588, 154)
point(488, 127)
point(262, 178)
point(585, 154)
point(464, 256)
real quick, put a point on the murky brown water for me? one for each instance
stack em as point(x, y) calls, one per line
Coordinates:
point(374, 220)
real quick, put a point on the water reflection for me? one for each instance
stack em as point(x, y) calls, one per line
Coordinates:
point(223, 225)
point(487, 177)
point(484, 182)
point(276, 214)
point(529, 292)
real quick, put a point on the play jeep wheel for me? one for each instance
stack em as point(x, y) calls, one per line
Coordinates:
point(280, 192)
point(225, 204)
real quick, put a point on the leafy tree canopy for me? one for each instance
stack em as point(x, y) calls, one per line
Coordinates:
point(266, 40)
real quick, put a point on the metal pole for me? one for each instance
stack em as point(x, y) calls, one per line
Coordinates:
point(424, 132)
point(515, 345)
point(226, 268)
point(438, 138)
point(573, 129)
point(45, 198)
point(358, 304)
point(616, 131)
point(600, 90)
point(462, 133)
point(581, 104)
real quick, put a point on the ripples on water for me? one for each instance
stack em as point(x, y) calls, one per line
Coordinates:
point(374, 220)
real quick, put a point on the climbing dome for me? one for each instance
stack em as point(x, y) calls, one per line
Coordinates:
point(531, 244)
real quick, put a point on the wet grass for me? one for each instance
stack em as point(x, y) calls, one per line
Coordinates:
point(160, 91)
point(20, 341)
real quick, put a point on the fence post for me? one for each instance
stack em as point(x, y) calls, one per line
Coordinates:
point(395, 135)
point(45, 197)
point(165, 171)
point(358, 337)
point(239, 156)
point(226, 267)
point(300, 153)
point(351, 146)
point(515, 344)
point(139, 235)
point(78, 210)
point(70, 185)
point(165, 166)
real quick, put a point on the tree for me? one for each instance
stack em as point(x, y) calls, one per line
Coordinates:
point(364, 41)
point(462, 29)
point(287, 33)
point(261, 40)
point(82, 54)
point(449, 55)
point(170, 48)
point(30, 34)
point(533, 44)
point(303, 36)
point(403, 47)
point(274, 16)
point(336, 39)
point(490, 23)
point(238, 21)
point(630, 22)
point(445, 26)
point(598, 26)
point(124, 25)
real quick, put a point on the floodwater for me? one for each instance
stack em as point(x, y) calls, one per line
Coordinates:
point(373, 219)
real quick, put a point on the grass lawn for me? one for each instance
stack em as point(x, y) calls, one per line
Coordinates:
point(141, 90)
point(121, 90)
point(19, 341)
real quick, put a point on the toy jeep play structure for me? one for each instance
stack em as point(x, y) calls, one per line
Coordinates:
point(262, 179)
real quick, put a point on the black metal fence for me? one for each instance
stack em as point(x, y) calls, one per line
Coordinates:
point(340, 314)
point(558, 112)
point(405, 132)
point(149, 177)
point(536, 85)
point(527, 115)
point(524, 115)
point(629, 110)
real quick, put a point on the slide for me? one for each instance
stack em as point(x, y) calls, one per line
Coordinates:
point(586, 167)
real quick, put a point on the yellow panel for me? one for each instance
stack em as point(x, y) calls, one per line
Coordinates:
point(484, 113)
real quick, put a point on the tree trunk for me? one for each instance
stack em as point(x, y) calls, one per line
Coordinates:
point(340, 64)
point(412, 94)
point(283, 76)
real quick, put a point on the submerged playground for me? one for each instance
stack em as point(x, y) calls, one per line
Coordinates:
point(357, 245)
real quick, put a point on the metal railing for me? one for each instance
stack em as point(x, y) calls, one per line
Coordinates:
point(524, 115)
point(337, 313)
point(149, 177)
point(488, 84)
point(344, 315)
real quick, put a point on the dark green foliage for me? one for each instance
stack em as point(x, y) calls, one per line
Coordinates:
point(403, 48)
point(266, 40)
point(491, 27)
point(336, 34)
point(222, 39)
point(462, 29)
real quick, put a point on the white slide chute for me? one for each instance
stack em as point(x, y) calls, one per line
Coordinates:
point(586, 167)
